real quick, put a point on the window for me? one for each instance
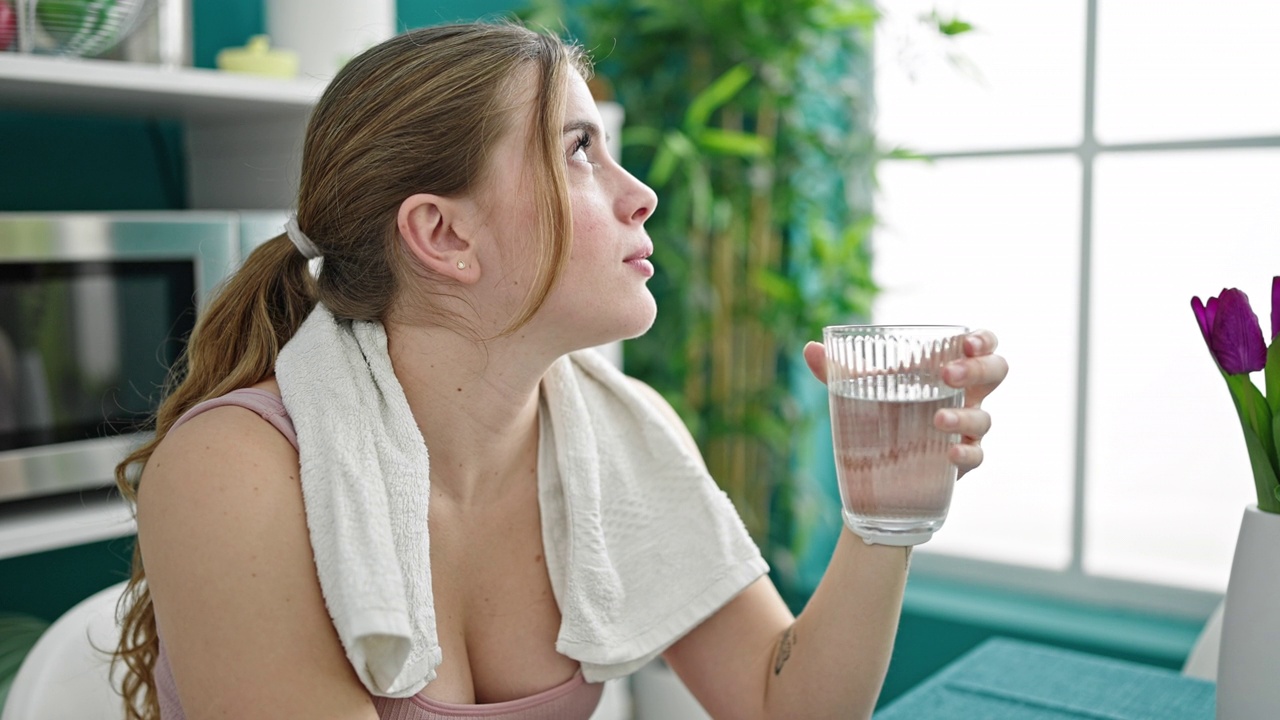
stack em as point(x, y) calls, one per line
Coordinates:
point(1094, 164)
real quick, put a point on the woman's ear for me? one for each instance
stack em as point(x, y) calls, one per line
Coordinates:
point(430, 226)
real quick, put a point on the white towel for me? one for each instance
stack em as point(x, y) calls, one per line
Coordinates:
point(641, 545)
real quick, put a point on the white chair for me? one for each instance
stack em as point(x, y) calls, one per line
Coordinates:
point(1203, 661)
point(67, 674)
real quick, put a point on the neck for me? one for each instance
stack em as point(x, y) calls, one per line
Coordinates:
point(475, 404)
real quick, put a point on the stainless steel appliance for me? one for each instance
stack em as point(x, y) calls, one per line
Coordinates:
point(94, 309)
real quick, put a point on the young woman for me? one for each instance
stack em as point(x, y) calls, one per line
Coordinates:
point(456, 184)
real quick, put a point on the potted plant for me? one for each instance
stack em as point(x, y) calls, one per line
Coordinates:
point(1250, 644)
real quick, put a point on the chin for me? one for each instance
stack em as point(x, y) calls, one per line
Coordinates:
point(643, 320)
point(625, 327)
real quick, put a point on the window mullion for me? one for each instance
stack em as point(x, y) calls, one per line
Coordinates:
point(1087, 154)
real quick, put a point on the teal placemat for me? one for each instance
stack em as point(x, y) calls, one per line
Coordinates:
point(1006, 679)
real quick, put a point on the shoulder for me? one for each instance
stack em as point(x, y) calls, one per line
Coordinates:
point(224, 540)
point(224, 475)
point(668, 413)
point(219, 473)
point(221, 442)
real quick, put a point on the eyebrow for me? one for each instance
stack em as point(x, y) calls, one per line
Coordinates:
point(583, 126)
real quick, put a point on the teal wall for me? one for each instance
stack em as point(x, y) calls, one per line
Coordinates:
point(69, 162)
point(47, 584)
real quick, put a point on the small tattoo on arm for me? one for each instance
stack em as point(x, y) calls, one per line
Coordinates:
point(784, 649)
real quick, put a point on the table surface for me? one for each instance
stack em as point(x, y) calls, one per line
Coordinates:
point(1005, 679)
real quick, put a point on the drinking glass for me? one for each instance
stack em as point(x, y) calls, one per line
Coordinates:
point(885, 387)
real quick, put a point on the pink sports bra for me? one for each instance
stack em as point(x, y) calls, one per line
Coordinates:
point(574, 699)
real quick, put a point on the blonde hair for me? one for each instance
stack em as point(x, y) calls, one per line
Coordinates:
point(419, 113)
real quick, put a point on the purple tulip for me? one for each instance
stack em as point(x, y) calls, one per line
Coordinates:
point(1232, 331)
point(1204, 315)
point(1275, 307)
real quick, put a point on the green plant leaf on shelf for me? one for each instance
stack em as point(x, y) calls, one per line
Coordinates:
point(715, 96)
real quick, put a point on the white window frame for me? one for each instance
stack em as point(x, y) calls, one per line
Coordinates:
point(1072, 582)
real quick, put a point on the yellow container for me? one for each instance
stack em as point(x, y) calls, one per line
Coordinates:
point(257, 58)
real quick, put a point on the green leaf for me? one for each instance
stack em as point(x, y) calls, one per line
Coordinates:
point(778, 287)
point(18, 634)
point(675, 147)
point(1275, 438)
point(858, 15)
point(642, 136)
point(664, 165)
point(731, 142)
point(1250, 403)
point(714, 96)
point(1255, 418)
point(953, 27)
point(1264, 474)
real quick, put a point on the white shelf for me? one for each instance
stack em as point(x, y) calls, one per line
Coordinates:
point(243, 134)
point(134, 89)
point(75, 521)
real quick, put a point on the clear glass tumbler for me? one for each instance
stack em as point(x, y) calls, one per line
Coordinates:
point(885, 387)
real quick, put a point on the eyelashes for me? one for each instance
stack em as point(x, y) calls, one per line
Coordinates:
point(581, 144)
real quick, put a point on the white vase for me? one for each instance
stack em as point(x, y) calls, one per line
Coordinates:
point(1248, 681)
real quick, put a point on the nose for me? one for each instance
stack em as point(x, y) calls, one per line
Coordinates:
point(636, 201)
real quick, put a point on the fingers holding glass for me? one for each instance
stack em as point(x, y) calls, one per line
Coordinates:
point(971, 424)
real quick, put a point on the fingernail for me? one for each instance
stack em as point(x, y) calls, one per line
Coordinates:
point(975, 343)
point(948, 418)
point(957, 373)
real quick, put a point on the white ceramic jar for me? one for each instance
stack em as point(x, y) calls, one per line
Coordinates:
point(327, 33)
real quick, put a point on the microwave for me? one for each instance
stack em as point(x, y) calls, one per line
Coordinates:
point(95, 308)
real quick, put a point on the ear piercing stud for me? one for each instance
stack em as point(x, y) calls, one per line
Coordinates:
point(462, 265)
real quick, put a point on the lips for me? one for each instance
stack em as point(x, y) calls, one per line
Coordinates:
point(639, 260)
point(641, 254)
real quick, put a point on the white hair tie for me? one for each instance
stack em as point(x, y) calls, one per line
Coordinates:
point(300, 239)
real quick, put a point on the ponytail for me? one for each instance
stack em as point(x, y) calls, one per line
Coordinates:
point(234, 345)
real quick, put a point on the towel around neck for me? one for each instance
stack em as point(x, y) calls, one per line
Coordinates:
point(641, 545)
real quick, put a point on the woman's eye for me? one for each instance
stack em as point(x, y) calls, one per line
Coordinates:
point(580, 148)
